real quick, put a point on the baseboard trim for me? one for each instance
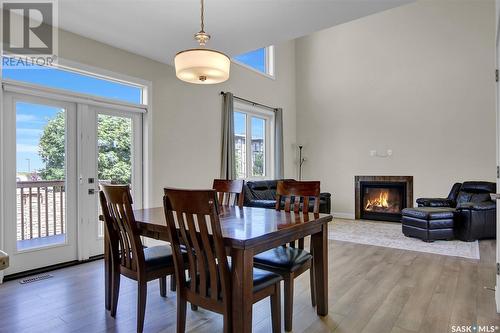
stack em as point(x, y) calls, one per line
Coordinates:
point(343, 215)
point(46, 269)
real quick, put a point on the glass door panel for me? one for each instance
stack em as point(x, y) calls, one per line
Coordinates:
point(40, 186)
point(40, 175)
point(117, 150)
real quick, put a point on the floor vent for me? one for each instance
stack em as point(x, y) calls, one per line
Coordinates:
point(35, 279)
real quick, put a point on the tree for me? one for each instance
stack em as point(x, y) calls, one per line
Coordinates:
point(114, 148)
point(51, 148)
point(258, 163)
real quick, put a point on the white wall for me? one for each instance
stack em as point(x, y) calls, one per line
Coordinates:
point(187, 118)
point(417, 79)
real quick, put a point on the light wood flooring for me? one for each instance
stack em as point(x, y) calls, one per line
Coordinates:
point(371, 289)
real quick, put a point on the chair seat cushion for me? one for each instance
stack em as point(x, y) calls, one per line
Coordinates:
point(282, 258)
point(429, 213)
point(263, 279)
point(158, 257)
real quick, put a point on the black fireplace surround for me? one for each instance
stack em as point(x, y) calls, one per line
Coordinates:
point(382, 197)
point(388, 200)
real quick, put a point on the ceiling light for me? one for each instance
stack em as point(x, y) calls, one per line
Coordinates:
point(202, 65)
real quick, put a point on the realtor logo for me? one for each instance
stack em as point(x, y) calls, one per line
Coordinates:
point(28, 31)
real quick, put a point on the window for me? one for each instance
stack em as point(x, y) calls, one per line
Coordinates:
point(252, 141)
point(71, 80)
point(260, 60)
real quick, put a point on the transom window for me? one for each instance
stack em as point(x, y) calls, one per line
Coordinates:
point(260, 60)
point(71, 80)
point(252, 141)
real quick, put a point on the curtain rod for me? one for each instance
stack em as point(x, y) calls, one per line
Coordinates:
point(250, 102)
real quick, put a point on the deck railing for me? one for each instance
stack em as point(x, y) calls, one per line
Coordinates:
point(41, 208)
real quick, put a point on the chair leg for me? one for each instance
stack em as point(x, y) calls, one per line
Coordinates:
point(115, 289)
point(288, 289)
point(313, 285)
point(163, 286)
point(181, 314)
point(227, 323)
point(141, 304)
point(276, 309)
point(172, 282)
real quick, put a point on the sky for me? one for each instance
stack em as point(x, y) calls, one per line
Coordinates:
point(32, 118)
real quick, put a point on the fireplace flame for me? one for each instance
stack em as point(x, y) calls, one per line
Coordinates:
point(380, 202)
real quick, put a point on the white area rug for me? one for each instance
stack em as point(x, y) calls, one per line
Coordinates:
point(390, 235)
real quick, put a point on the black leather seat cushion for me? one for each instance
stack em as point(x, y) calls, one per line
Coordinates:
point(157, 257)
point(263, 279)
point(429, 213)
point(282, 258)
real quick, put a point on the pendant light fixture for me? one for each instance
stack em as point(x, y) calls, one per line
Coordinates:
point(202, 65)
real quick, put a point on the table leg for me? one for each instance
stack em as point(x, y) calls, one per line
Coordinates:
point(107, 272)
point(320, 250)
point(242, 288)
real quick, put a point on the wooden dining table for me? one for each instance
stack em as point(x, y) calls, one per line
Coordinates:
point(248, 231)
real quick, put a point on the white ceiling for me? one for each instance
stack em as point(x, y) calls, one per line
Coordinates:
point(158, 29)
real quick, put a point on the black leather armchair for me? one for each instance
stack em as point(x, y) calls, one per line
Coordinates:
point(262, 194)
point(475, 216)
point(449, 201)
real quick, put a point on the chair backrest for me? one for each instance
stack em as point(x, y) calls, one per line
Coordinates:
point(296, 196)
point(125, 241)
point(193, 222)
point(300, 192)
point(229, 192)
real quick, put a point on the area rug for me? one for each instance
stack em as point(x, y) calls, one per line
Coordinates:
point(390, 235)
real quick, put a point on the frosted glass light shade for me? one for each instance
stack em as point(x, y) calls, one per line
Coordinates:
point(202, 66)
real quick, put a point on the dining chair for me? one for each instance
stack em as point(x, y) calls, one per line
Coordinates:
point(229, 192)
point(193, 221)
point(128, 256)
point(291, 260)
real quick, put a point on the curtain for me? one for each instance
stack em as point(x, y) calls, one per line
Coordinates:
point(278, 144)
point(228, 166)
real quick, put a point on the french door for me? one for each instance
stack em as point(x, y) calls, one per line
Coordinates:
point(55, 155)
point(40, 190)
point(111, 152)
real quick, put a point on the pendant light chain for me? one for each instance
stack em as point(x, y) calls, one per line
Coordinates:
point(202, 16)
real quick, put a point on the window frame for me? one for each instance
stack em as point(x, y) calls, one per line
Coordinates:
point(269, 61)
point(269, 117)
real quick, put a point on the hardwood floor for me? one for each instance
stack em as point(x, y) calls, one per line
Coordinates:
point(372, 290)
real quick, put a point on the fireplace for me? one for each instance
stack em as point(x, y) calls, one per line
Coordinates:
point(382, 197)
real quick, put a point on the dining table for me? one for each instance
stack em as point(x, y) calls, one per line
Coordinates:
point(248, 231)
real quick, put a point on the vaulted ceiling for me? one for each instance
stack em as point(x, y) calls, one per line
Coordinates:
point(158, 29)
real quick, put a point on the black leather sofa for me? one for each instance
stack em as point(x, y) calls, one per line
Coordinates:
point(262, 194)
point(468, 213)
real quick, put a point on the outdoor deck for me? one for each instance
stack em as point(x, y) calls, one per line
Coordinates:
point(41, 210)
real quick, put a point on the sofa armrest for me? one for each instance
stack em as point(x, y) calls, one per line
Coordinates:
point(325, 206)
point(434, 202)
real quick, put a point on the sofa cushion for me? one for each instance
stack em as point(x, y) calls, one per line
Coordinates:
point(263, 203)
point(429, 213)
